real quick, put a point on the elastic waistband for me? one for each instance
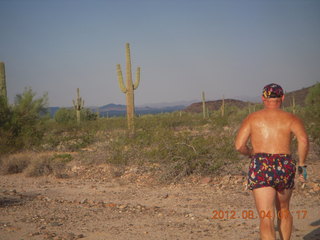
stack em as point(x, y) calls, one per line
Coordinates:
point(271, 155)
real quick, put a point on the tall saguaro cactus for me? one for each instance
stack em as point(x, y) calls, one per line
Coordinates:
point(3, 86)
point(129, 88)
point(222, 107)
point(203, 105)
point(293, 105)
point(78, 105)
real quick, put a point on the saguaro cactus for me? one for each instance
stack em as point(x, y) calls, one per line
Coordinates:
point(129, 88)
point(204, 105)
point(222, 107)
point(78, 105)
point(293, 104)
point(3, 86)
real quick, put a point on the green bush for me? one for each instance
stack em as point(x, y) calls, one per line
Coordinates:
point(198, 150)
point(68, 115)
point(65, 115)
point(22, 124)
point(312, 113)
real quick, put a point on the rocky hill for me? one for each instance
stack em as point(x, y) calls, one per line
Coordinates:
point(215, 105)
point(299, 97)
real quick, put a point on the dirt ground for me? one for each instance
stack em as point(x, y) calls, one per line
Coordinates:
point(94, 204)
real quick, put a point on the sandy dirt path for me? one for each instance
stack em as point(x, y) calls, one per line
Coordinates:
point(100, 208)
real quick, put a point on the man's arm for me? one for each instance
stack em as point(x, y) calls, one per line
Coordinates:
point(242, 138)
point(299, 131)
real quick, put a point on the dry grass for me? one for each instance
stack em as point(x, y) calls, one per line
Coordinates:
point(15, 163)
point(35, 164)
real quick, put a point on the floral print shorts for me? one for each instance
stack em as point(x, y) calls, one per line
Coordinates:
point(271, 170)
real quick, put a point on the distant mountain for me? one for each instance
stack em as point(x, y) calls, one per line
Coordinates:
point(298, 95)
point(168, 104)
point(112, 109)
point(52, 110)
point(188, 106)
point(120, 110)
point(215, 105)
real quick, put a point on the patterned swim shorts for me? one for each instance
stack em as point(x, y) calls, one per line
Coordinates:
point(271, 170)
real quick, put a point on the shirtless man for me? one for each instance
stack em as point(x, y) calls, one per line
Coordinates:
point(272, 170)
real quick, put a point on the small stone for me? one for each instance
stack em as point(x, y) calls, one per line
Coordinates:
point(34, 234)
point(68, 236)
point(122, 206)
point(56, 224)
point(165, 195)
point(206, 180)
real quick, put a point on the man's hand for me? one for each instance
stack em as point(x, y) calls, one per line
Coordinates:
point(302, 171)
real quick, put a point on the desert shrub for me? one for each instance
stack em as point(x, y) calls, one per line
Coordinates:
point(27, 120)
point(88, 115)
point(312, 113)
point(73, 138)
point(5, 113)
point(181, 153)
point(186, 154)
point(68, 115)
point(35, 164)
point(15, 163)
point(5, 133)
point(232, 114)
point(46, 164)
point(65, 115)
point(22, 123)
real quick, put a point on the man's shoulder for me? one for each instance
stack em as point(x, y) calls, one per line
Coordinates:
point(266, 115)
point(257, 113)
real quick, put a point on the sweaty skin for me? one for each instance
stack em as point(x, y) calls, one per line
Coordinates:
point(270, 131)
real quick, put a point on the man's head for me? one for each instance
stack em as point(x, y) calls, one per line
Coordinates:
point(272, 90)
point(272, 95)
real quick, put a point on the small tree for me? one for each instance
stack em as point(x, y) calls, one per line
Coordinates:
point(28, 113)
point(313, 112)
point(64, 115)
point(313, 101)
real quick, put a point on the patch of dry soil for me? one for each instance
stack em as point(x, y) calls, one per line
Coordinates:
point(99, 207)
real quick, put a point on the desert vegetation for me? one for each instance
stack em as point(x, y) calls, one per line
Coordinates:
point(178, 144)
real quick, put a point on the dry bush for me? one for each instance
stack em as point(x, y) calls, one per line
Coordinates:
point(47, 164)
point(15, 163)
point(35, 164)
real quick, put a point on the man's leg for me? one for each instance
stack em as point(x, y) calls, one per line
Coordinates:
point(265, 199)
point(283, 213)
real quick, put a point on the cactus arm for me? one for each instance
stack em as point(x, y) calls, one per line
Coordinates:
point(136, 83)
point(120, 79)
point(79, 102)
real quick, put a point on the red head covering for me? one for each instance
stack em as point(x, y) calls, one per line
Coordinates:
point(272, 90)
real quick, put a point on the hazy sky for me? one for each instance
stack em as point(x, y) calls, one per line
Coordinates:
point(184, 47)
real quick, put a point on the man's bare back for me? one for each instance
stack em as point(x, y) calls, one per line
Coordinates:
point(270, 131)
point(272, 170)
